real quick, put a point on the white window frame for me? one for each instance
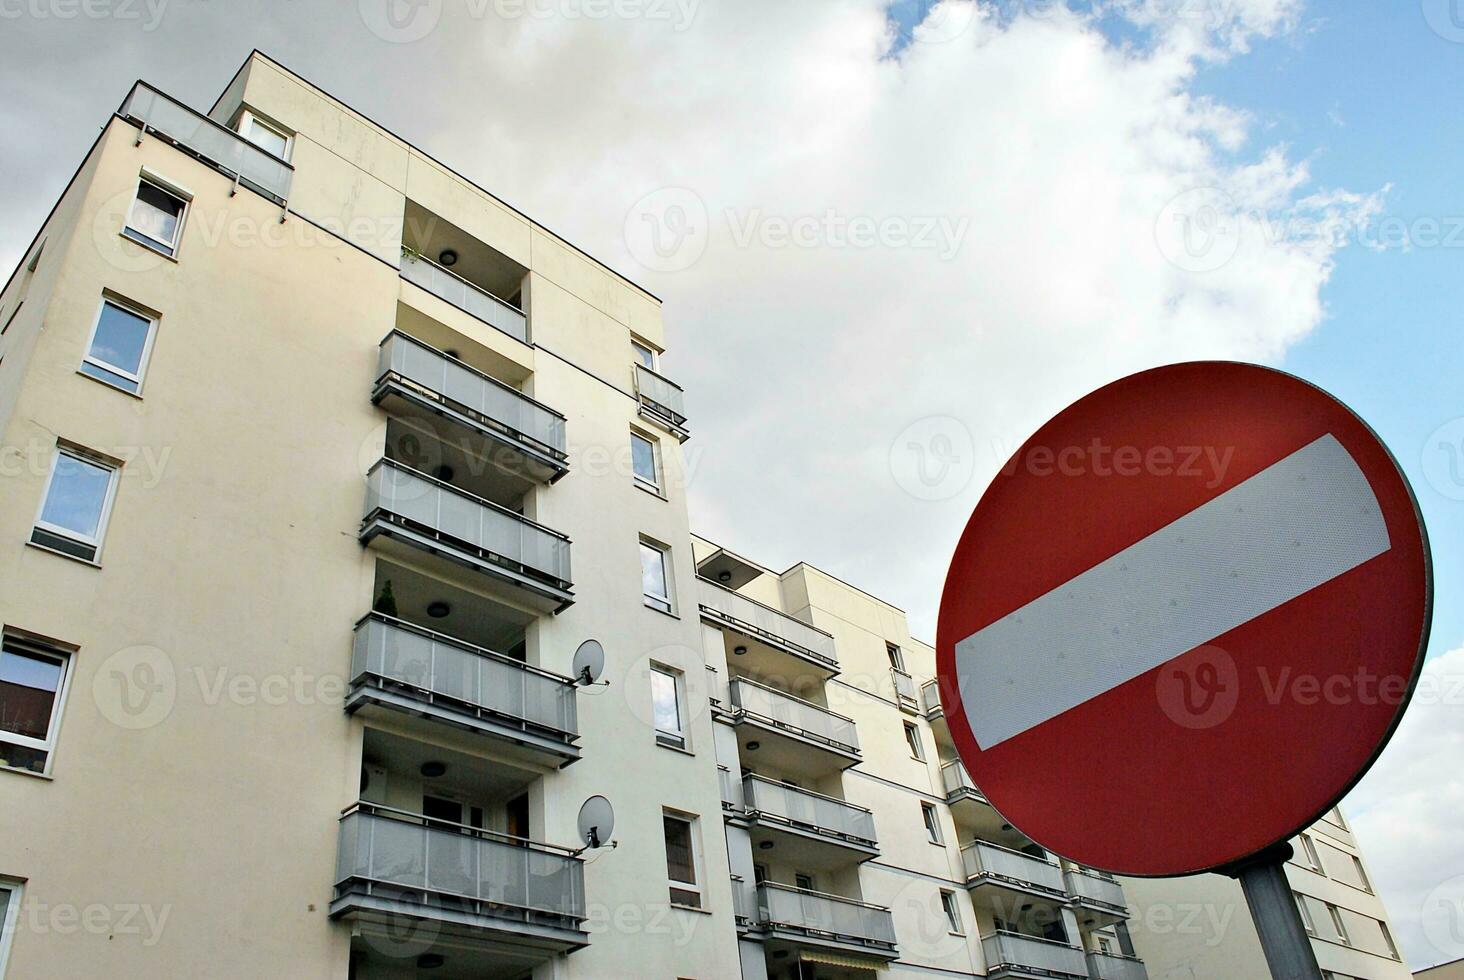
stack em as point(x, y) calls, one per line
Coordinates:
point(912, 741)
point(654, 485)
point(15, 892)
point(1309, 852)
point(1366, 882)
point(952, 909)
point(169, 249)
point(1388, 939)
point(930, 817)
point(1105, 945)
point(896, 656)
point(108, 500)
point(695, 887)
point(248, 118)
point(661, 603)
point(53, 729)
point(152, 332)
point(1306, 917)
point(678, 738)
point(1339, 925)
point(640, 345)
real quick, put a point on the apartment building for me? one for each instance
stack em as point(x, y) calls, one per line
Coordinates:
point(1200, 926)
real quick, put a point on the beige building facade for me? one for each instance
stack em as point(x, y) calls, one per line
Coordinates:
point(354, 625)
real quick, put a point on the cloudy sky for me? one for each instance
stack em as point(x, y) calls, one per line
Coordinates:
point(892, 240)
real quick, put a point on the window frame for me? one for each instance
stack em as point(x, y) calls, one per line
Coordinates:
point(15, 891)
point(38, 647)
point(896, 656)
point(654, 484)
point(1307, 922)
point(677, 739)
point(695, 888)
point(636, 345)
point(1338, 924)
point(912, 741)
point(108, 501)
point(952, 909)
point(133, 234)
point(1309, 850)
point(667, 603)
point(248, 118)
point(930, 816)
point(126, 306)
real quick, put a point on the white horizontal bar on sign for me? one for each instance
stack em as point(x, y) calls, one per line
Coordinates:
point(1298, 523)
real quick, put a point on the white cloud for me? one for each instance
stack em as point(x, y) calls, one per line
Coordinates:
point(1406, 815)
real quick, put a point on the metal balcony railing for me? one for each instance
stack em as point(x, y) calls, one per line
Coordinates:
point(484, 399)
point(779, 803)
point(211, 142)
point(663, 398)
point(1028, 954)
point(904, 686)
point(385, 852)
point(466, 296)
point(815, 913)
point(1111, 966)
point(1096, 888)
point(957, 781)
point(444, 511)
point(779, 710)
point(744, 901)
point(983, 859)
point(469, 679)
point(731, 791)
point(777, 628)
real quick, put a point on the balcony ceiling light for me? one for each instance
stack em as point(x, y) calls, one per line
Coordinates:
point(445, 473)
point(740, 651)
point(724, 576)
point(430, 961)
point(432, 769)
point(438, 609)
point(766, 845)
point(753, 746)
point(448, 257)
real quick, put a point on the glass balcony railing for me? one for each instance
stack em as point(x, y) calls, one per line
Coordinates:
point(986, 861)
point(957, 782)
point(904, 686)
point(1098, 889)
point(782, 805)
point(785, 712)
point(486, 401)
point(798, 910)
point(445, 517)
point(462, 679)
point(930, 699)
point(1111, 966)
point(466, 296)
point(1011, 953)
point(765, 623)
point(212, 142)
point(662, 398)
point(447, 870)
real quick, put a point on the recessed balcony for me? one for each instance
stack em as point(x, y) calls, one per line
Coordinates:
point(1013, 956)
point(782, 732)
point(409, 512)
point(792, 918)
point(1098, 899)
point(766, 641)
point(661, 401)
point(402, 668)
point(493, 897)
point(420, 383)
point(1010, 881)
point(809, 830)
point(1111, 966)
point(464, 294)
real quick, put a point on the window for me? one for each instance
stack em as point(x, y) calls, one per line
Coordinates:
point(666, 706)
point(32, 688)
point(681, 860)
point(9, 911)
point(655, 583)
point(897, 658)
point(1306, 916)
point(912, 739)
point(1309, 853)
point(74, 511)
point(267, 136)
point(932, 822)
point(645, 354)
point(1339, 925)
point(1388, 938)
point(644, 461)
point(1104, 946)
point(121, 342)
point(952, 912)
point(805, 881)
point(1362, 880)
point(156, 219)
point(1335, 816)
point(11, 319)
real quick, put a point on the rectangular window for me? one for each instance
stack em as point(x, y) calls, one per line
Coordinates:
point(1309, 853)
point(9, 912)
point(1388, 938)
point(666, 705)
point(1362, 879)
point(805, 881)
point(932, 822)
point(120, 345)
point(32, 689)
point(681, 860)
point(952, 912)
point(644, 461)
point(897, 657)
point(655, 582)
point(1104, 946)
point(156, 218)
point(76, 505)
point(1306, 916)
point(645, 354)
point(267, 136)
point(912, 739)
point(1339, 925)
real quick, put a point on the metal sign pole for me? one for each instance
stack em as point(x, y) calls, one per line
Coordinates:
point(1283, 936)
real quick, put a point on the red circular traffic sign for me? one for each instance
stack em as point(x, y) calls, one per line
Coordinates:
point(1184, 619)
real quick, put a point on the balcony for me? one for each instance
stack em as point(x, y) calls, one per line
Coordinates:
point(764, 640)
point(400, 667)
point(1018, 957)
point(796, 917)
point(208, 141)
point(467, 296)
point(419, 382)
point(1109, 966)
point(458, 887)
point(1098, 899)
point(809, 830)
point(962, 795)
point(1007, 879)
point(930, 700)
point(661, 402)
point(905, 693)
point(520, 560)
point(787, 733)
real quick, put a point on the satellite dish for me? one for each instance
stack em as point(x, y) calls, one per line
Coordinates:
point(596, 820)
point(589, 662)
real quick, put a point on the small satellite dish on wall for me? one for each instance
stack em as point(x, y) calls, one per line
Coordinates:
point(589, 662)
point(596, 822)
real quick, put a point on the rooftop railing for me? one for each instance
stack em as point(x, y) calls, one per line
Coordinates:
point(764, 622)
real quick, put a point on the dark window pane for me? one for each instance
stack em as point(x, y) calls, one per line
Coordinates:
point(679, 862)
point(28, 686)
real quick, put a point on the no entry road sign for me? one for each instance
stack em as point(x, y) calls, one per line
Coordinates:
point(1184, 619)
